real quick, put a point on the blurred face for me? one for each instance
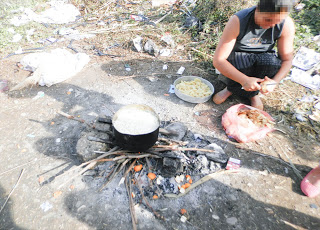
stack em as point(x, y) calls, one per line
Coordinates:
point(267, 20)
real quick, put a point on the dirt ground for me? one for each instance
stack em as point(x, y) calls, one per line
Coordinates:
point(264, 194)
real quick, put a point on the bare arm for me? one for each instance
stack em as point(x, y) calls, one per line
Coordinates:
point(223, 50)
point(285, 50)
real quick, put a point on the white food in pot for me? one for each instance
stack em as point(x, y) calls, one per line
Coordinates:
point(134, 121)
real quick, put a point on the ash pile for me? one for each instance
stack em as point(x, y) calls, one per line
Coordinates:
point(177, 160)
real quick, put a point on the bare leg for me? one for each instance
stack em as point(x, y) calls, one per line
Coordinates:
point(221, 96)
point(256, 102)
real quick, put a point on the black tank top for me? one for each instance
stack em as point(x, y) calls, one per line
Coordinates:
point(252, 38)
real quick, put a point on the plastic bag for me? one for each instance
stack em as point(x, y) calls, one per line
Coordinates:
point(245, 123)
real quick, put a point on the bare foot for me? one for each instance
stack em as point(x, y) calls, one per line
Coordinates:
point(221, 96)
point(256, 102)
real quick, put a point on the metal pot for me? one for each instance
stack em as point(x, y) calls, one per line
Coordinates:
point(135, 127)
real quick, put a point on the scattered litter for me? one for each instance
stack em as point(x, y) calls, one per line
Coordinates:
point(3, 86)
point(11, 30)
point(165, 52)
point(181, 70)
point(39, 95)
point(313, 206)
point(183, 219)
point(191, 21)
point(299, 6)
point(46, 206)
point(316, 39)
point(317, 106)
point(197, 113)
point(58, 14)
point(303, 78)
point(139, 18)
point(171, 90)
point(197, 137)
point(165, 67)
point(58, 140)
point(151, 48)
point(316, 115)
point(233, 163)
point(167, 95)
point(51, 68)
point(153, 79)
point(127, 67)
point(16, 38)
point(306, 58)
point(156, 3)
point(300, 117)
point(137, 42)
point(168, 39)
point(307, 99)
point(31, 135)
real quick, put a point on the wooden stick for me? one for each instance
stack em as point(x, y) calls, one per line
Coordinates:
point(12, 190)
point(9, 170)
point(169, 141)
point(182, 149)
point(110, 177)
point(92, 164)
point(127, 171)
point(201, 181)
point(131, 205)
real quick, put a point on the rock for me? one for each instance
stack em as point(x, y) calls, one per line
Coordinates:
point(171, 167)
point(232, 220)
point(178, 130)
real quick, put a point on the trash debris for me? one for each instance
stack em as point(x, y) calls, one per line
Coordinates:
point(306, 58)
point(16, 38)
point(51, 68)
point(299, 6)
point(316, 39)
point(137, 42)
point(156, 3)
point(165, 67)
point(3, 86)
point(303, 78)
point(165, 52)
point(151, 48)
point(31, 135)
point(197, 137)
point(181, 70)
point(46, 206)
point(153, 79)
point(127, 67)
point(171, 90)
point(39, 95)
point(168, 39)
point(233, 163)
point(313, 206)
point(191, 21)
point(59, 13)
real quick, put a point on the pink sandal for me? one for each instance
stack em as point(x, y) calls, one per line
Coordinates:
point(310, 185)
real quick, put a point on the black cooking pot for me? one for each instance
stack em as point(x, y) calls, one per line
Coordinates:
point(135, 127)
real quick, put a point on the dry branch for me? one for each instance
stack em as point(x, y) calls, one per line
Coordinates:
point(12, 190)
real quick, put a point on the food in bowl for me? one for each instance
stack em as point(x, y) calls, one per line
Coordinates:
point(194, 88)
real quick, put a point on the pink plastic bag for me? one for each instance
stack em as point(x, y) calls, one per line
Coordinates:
point(245, 123)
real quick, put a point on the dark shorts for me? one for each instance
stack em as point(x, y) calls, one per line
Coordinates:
point(256, 65)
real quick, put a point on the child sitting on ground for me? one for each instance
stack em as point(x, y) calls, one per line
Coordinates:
point(245, 53)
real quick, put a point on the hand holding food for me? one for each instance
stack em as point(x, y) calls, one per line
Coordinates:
point(268, 85)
